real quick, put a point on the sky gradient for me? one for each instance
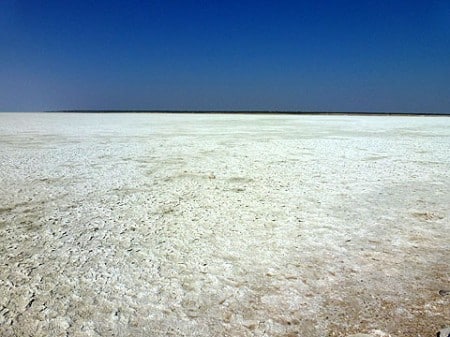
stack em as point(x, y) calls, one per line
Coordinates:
point(387, 56)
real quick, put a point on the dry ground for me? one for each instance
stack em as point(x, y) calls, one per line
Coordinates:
point(223, 225)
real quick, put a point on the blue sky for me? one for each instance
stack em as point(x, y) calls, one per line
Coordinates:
point(239, 55)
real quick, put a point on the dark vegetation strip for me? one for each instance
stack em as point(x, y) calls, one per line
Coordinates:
point(249, 112)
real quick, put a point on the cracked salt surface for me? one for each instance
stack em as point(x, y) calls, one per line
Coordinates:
point(225, 225)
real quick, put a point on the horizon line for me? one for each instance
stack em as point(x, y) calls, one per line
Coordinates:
point(256, 112)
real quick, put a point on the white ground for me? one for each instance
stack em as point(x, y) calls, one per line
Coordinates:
point(223, 225)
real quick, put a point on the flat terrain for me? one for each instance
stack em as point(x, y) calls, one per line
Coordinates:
point(223, 225)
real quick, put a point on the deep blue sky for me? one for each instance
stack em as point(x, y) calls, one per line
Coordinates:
point(265, 55)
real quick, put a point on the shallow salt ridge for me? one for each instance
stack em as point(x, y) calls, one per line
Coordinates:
point(137, 225)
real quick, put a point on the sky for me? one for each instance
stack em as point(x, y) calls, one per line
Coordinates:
point(386, 56)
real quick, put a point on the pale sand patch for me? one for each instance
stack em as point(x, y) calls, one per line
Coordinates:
point(203, 225)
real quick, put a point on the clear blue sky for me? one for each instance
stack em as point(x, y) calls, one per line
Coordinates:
point(264, 55)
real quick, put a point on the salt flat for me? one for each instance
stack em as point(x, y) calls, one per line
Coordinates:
point(223, 225)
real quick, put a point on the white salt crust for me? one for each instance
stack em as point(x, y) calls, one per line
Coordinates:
point(223, 225)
